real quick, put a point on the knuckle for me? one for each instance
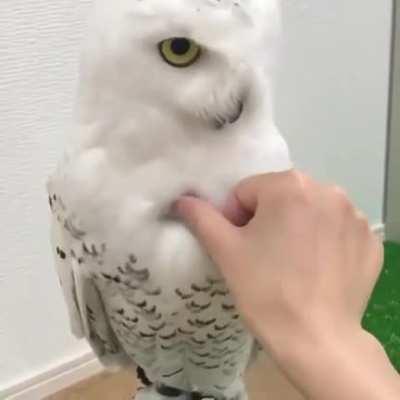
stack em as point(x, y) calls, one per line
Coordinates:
point(292, 188)
point(364, 223)
point(298, 196)
point(341, 198)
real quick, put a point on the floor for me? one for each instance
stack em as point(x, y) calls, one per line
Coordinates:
point(264, 381)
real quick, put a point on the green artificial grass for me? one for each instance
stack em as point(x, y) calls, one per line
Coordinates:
point(382, 318)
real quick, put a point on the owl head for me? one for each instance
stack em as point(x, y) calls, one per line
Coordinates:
point(205, 62)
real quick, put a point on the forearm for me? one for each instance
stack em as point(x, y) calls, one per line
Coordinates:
point(333, 367)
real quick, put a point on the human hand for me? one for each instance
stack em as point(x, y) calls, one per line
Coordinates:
point(303, 260)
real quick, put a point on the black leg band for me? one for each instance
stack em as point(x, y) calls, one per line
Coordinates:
point(143, 377)
point(168, 391)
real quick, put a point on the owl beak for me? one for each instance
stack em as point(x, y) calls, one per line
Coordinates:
point(234, 118)
point(220, 122)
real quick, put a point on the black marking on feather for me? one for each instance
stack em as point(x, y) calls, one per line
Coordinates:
point(132, 259)
point(201, 355)
point(228, 307)
point(213, 337)
point(121, 311)
point(86, 250)
point(140, 274)
point(168, 337)
point(196, 341)
point(193, 311)
point(235, 316)
point(73, 230)
point(134, 320)
point(90, 313)
point(201, 289)
point(182, 295)
point(147, 335)
point(196, 363)
point(221, 327)
point(157, 328)
point(178, 371)
point(186, 332)
point(89, 310)
point(150, 310)
point(61, 253)
point(201, 307)
point(215, 366)
point(140, 304)
point(219, 292)
point(203, 323)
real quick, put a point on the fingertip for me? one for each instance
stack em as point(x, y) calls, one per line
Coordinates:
point(213, 230)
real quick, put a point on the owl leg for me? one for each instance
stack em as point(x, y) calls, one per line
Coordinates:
point(237, 391)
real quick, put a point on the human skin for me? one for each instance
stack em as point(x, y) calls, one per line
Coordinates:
point(301, 262)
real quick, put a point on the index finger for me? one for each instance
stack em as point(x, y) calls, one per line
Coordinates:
point(249, 192)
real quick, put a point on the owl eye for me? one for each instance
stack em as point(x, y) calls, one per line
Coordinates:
point(179, 52)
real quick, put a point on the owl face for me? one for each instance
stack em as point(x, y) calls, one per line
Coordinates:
point(202, 61)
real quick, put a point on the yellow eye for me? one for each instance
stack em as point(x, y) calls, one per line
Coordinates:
point(179, 52)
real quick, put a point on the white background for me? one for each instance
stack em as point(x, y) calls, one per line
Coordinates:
point(331, 104)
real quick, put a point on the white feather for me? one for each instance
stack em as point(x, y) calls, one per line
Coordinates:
point(146, 133)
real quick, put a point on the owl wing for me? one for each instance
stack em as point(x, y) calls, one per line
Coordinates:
point(85, 306)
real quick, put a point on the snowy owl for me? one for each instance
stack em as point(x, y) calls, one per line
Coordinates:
point(174, 97)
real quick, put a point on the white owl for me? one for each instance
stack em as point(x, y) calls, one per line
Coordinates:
point(175, 97)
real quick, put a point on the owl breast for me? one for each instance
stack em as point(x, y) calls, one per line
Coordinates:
point(187, 335)
point(164, 298)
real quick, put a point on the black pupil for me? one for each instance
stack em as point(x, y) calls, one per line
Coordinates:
point(180, 46)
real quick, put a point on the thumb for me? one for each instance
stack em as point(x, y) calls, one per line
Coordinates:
point(218, 236)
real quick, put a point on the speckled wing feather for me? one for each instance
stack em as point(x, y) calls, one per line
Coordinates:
point(85, 306)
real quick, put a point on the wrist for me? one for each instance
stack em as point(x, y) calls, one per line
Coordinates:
point(334, 363)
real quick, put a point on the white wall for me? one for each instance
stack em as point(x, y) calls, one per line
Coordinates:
point(38, 51)
point(331, 104)
point(333, 92)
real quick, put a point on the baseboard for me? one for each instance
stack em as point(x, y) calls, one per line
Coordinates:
point(55, 379)
point(68, 373)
